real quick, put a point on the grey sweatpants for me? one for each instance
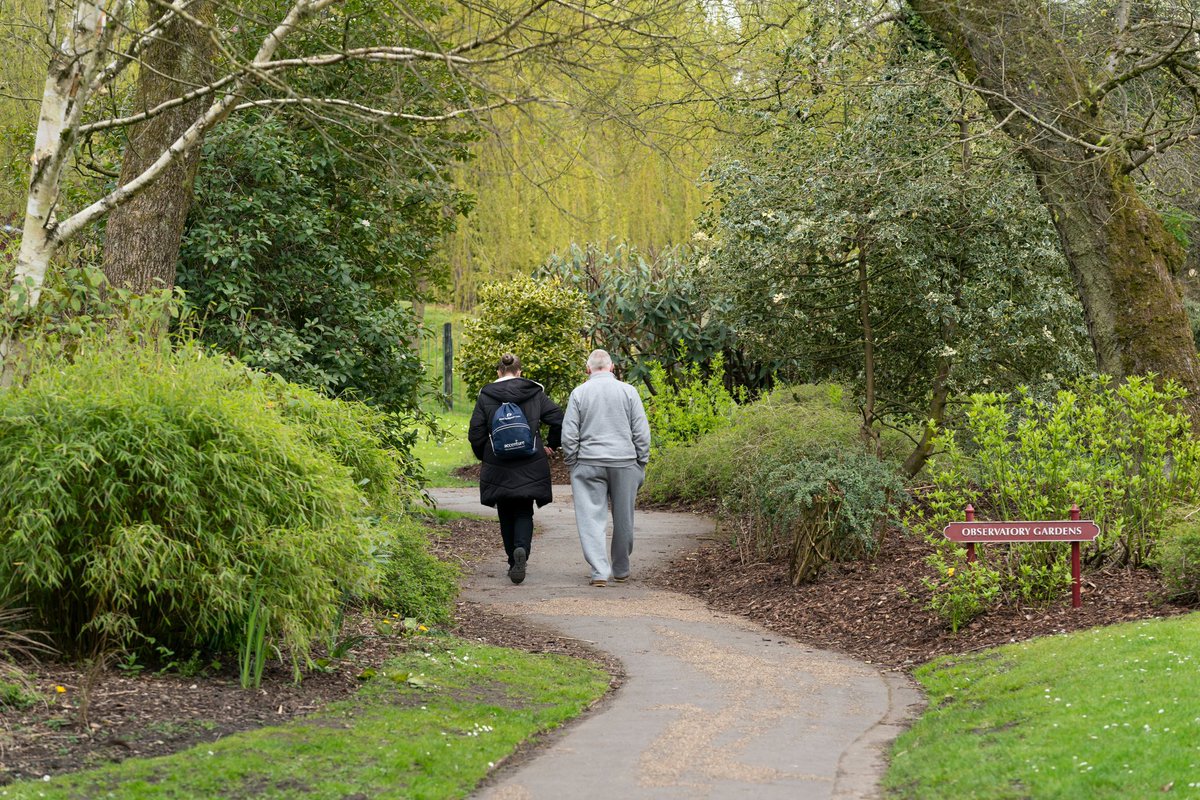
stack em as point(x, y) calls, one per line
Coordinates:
point(592, 487)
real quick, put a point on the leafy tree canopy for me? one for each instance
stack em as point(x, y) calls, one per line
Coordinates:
point(880, 220)
point(299, 261)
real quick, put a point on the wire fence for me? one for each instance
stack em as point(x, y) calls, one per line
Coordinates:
point(437, 354)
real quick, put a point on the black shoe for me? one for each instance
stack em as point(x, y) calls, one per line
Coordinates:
point(516, 573)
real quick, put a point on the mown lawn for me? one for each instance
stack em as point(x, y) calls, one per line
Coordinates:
point(429, 725)
point(1109, 712)
point(442, 456)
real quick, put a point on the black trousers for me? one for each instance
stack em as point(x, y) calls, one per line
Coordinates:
point(516, 524)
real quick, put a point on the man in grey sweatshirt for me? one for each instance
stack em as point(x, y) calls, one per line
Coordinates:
point(606, 443)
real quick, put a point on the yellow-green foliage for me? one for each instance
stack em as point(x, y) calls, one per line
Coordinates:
point(22, 74)
point(619, 159)
point(154, 494)
point(1125, 453)
point(782, 428)
point(541, 321)
point(622, 188)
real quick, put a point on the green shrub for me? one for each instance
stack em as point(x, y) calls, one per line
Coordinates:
point(694, 406)
point(413, 582)
point(780, 428)
point(1178, 558)
point(17, 692)
point(300, 258)
point(1124, 453)
point(541, 321)
point(960, 591)
point(151, 495)
point(814, 510)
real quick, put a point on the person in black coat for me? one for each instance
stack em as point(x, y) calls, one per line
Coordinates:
point(512, 486)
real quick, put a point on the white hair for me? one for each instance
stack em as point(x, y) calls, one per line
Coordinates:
point(598, 360)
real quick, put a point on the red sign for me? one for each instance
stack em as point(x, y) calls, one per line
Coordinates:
point(1070, 530)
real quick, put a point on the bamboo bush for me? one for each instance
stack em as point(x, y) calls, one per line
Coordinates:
point(148, 491)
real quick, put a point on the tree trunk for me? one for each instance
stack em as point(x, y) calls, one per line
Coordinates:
point(939, 397)
point(870, 433)
point(68, 83)
point(142, 237)
point(1121, 255)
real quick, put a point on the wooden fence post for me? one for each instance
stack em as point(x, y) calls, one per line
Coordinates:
point(448, 366)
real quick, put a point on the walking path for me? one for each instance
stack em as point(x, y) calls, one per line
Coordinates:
point(713, 706)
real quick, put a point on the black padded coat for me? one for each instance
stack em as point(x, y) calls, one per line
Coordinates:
point(513, 478)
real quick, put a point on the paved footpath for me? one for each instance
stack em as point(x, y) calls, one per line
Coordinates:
point(713, 706)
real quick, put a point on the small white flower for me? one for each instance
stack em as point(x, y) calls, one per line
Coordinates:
point(778, 298)
point(366, 223)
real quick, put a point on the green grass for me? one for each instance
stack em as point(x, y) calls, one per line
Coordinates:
point(440, 458)
point(431, 352)
point(430, 725)
point(1105, 713)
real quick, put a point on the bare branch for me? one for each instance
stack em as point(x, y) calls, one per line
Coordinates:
point(1145, 66)
point(856, 34)
point(175, 102)
point(194, 134)
point(385, 114)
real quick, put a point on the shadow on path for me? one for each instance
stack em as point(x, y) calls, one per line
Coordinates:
point(713, 706)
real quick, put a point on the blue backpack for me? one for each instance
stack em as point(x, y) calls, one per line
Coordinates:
point(511, 435)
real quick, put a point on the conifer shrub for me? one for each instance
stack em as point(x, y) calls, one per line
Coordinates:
point(154, 495)
point(820, 508)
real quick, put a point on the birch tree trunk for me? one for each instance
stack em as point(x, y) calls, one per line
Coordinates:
point(1120, 253)
point(68, 84)
point(142, 237)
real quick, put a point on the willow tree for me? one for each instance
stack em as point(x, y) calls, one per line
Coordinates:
point(620, 157)
point(95, 45)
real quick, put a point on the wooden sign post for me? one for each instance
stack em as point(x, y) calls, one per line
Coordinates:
point(1073, 530)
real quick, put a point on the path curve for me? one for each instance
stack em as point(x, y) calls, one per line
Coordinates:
point(713, 706)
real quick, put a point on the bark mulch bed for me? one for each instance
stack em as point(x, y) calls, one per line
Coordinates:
point(110, 714)
point(876, 610)
point(873, 610)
